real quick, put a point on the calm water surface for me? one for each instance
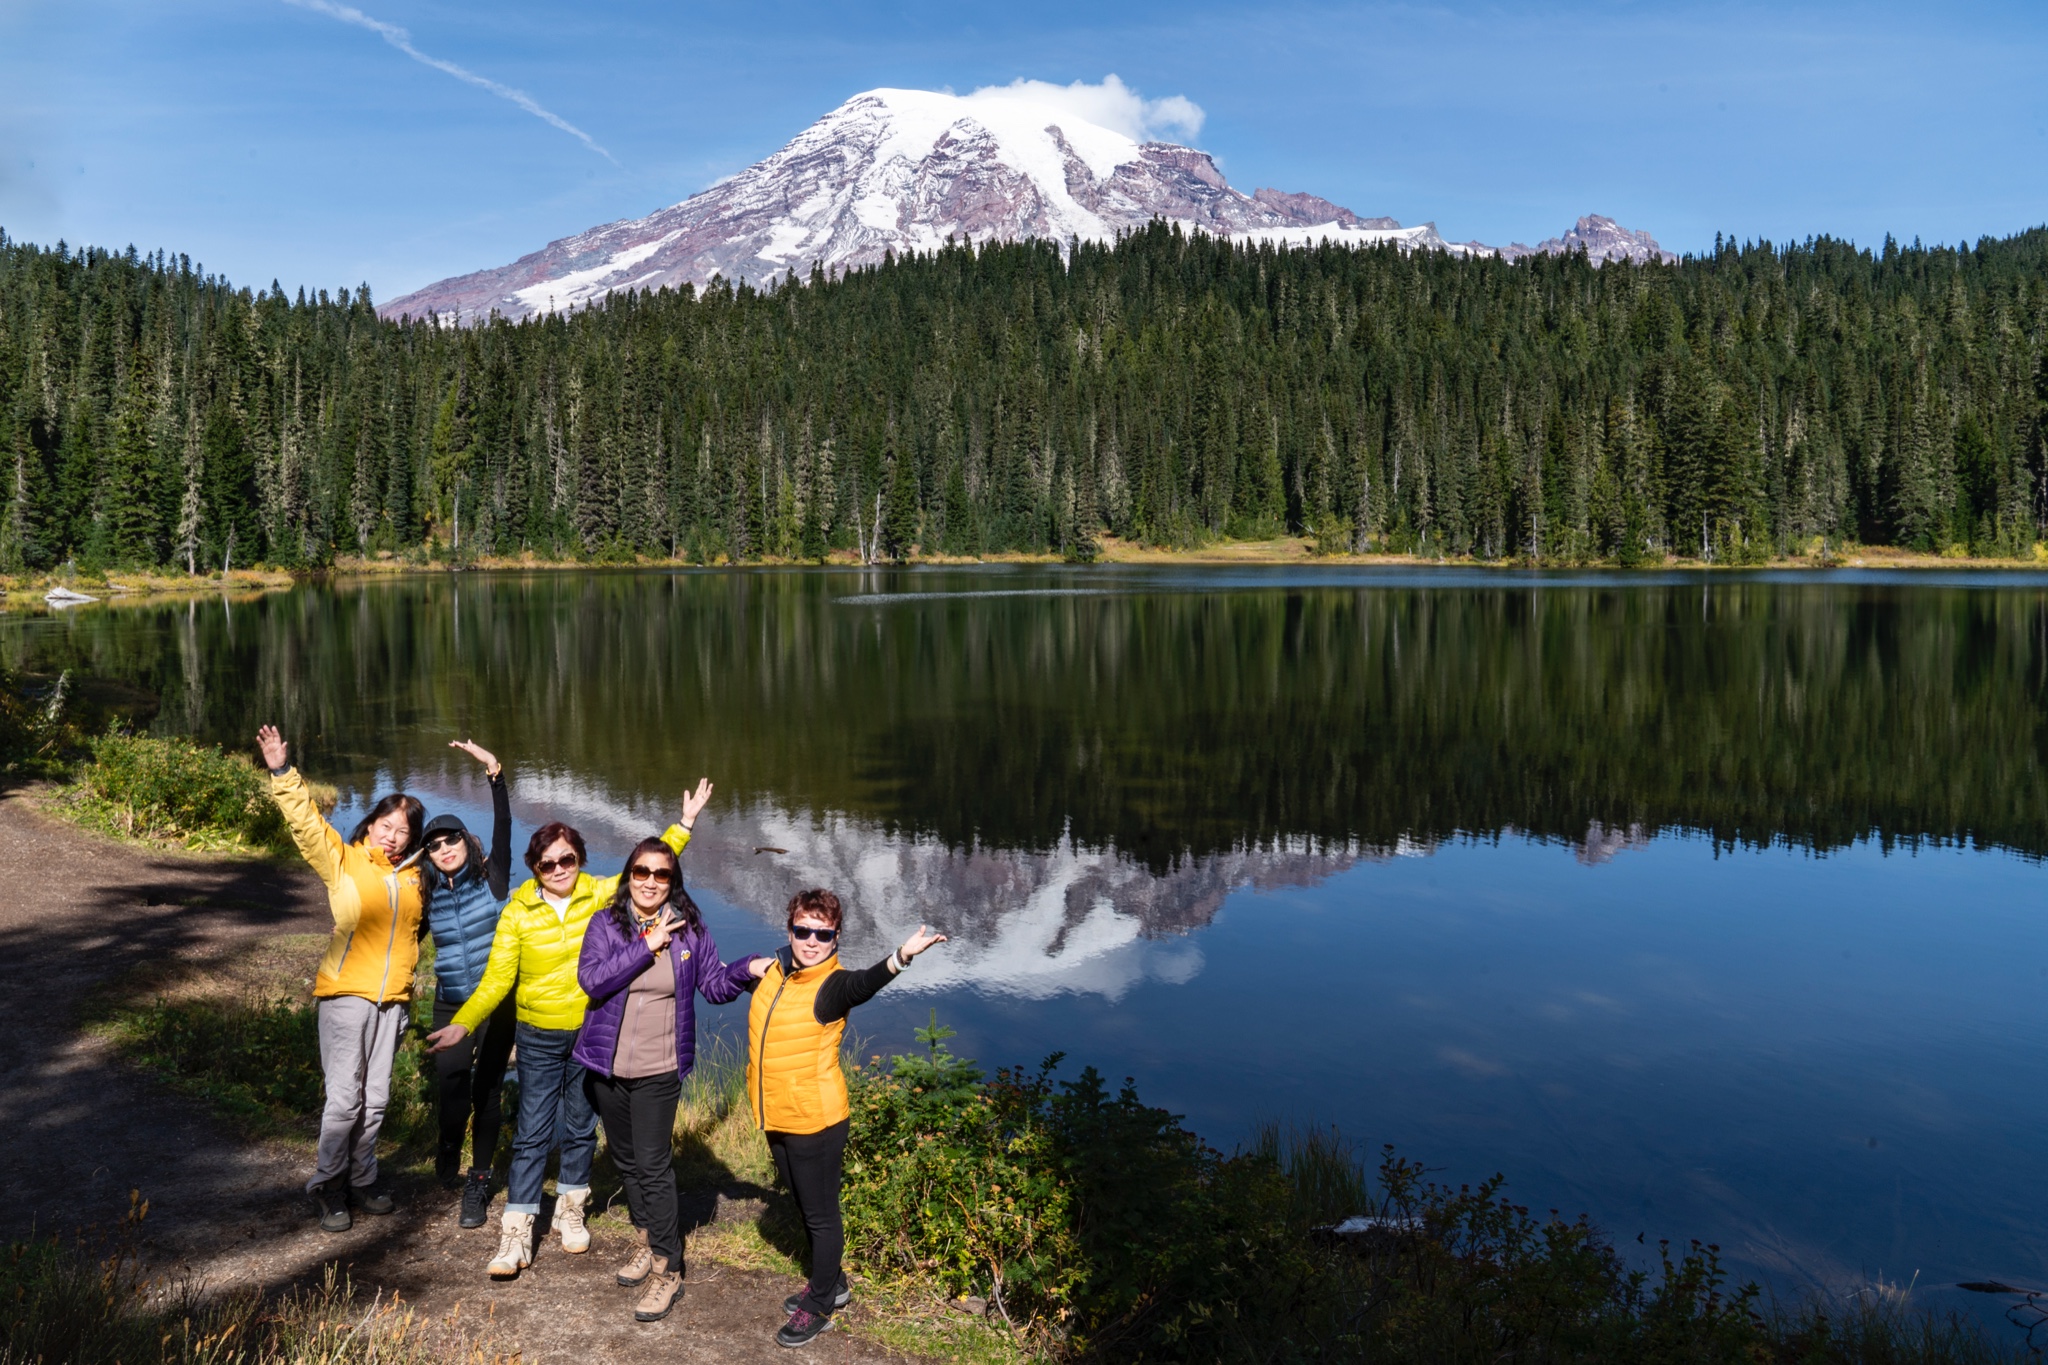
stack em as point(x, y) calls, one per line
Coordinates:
point(1710, 907)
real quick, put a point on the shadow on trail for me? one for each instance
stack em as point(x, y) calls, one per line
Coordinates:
point(76, 915)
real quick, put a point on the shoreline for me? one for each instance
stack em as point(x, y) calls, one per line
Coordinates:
point(115, 588)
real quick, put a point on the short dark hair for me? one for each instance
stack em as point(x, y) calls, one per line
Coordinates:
point(817, 903)
point(415, 816)
point(544, 839)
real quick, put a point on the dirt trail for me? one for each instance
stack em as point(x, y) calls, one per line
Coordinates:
point(82, 1131)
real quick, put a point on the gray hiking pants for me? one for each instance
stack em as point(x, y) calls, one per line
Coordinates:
point(358, 1039)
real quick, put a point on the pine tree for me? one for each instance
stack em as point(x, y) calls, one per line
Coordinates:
point(22, 544)
point(127, 503)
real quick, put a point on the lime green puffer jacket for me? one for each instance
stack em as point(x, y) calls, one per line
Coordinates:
point(538, 948)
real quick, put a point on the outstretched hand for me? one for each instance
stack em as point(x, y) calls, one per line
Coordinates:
point(271, 745)
point(478, 752)
point(440, 1040)
point(695, 802)
point(925, 937)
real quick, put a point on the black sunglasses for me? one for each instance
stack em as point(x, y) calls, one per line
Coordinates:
point(804, 931)
point(547, 865)
point(441, 841)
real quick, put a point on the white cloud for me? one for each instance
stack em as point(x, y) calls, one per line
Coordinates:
point(1111, 104)
point(402, 40)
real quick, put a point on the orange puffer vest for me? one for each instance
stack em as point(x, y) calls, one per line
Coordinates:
point(793, 1078)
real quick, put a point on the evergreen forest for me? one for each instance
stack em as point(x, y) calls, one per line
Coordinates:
point(1170, 388)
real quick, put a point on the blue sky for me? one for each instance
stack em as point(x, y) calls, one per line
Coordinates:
point(270, 140)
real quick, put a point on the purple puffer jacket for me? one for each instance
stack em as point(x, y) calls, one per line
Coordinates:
point(609, 963)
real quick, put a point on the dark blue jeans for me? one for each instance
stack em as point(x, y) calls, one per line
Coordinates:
point(554, 1111)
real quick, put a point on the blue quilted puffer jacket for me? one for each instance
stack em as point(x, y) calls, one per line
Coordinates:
point(462, 910)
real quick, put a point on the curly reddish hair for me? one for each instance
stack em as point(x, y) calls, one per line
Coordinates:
point(818, 904)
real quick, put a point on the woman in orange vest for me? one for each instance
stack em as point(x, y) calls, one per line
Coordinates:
point(794, 1025)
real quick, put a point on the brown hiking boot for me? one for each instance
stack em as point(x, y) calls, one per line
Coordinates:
point(642, 1264)
point(664, 1287)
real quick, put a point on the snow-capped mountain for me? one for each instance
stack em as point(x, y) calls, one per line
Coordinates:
point(1603, 239)
point(905, 170)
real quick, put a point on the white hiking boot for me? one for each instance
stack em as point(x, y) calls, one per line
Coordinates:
point(569, 1221)
point(515, 1247)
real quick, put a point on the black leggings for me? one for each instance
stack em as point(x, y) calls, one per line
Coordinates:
point(639, 1126)
point(811, 1164)
point(471, 1080)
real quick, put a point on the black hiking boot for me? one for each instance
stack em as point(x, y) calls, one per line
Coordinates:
point(842, 1295)
point(476, 1199)
point(803, 1328)
point(333, 1200)
point(370, 1199)
point(448, 1167)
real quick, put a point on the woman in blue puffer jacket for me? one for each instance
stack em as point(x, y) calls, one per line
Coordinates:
point(465, 890)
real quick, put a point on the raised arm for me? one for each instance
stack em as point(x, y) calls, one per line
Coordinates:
point(843, 991)
point(676, 836)
point(318, 842)
point(498, 864)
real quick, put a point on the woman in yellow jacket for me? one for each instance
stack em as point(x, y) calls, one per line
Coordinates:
point(363, 989)
point(797, 1090)
point(538, 945)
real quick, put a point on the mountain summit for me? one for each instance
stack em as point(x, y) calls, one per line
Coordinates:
point(906, 170)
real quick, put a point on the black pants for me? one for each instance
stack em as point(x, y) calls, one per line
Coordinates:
point(811, 1165)
point(639, 1126)
point(471, 1080)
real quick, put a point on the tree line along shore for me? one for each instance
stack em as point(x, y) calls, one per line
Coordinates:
point(1753, 404)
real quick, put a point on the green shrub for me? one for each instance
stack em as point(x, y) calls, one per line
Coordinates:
point(1089, 1219)
point(35, 731)
point(145, 787)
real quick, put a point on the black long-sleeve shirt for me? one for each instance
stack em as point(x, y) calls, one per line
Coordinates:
point(842, 991)
point(498, 866)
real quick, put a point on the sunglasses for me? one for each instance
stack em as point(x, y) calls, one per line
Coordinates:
point(547, 865)
point(805, 932)
point(443, 841)
point(643, 873)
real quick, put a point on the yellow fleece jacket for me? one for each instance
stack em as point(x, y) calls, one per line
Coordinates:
point(376, 907)
point(538, 947)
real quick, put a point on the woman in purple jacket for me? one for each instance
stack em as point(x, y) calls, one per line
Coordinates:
point(645, 958)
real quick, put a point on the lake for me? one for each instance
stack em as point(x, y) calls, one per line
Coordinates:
point(1706, 904)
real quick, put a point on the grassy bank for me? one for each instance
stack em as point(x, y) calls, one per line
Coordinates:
point(26, 590)
point(1290, 549)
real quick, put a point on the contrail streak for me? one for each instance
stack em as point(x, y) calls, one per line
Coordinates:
point(402, 40)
